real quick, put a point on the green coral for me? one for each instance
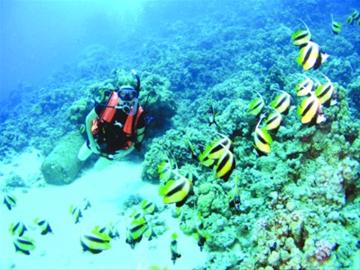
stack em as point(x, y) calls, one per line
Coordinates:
point(157, 99)
point(78, 111)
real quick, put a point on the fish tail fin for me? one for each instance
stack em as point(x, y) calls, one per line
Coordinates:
point(324, 57)
point(194, 155)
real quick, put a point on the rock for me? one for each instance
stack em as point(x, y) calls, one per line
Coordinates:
point(15, 180)
point(290, 206)
point(61, 166)
point(274, 258)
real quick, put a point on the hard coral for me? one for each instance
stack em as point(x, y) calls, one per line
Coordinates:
point(323, 250)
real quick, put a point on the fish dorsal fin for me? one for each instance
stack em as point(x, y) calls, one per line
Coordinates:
point(259, 122)
point(326, 77)
point(307, 28)
point(260, 96)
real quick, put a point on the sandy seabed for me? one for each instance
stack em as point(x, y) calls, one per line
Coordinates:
point(107, 185)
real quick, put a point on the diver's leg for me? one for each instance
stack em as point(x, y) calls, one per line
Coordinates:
point(84, 152)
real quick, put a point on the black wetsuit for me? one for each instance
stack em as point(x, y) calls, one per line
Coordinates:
point(111, 136)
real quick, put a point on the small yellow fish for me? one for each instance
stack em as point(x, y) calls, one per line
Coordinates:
point(311, 56)
point(301, 37)
point(263, 139)
point(256, 105)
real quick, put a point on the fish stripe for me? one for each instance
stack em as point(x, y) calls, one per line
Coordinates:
point(42, 222)
point(270, 121)
point(12, 200)
point(216, 148)
point(92, 250)
point(324, 92)
point(147, 206)
point(305, 85)
point(261, 137)
point(25, 242)
point(223, 161)
point(16, 226)
point(282, 100)
point(304, 88)
point(302, 35)
point(257, 105)
point(17, 248)
point(95, 239)
point(262, 147)
point(137, 228)
point(176, 189)
point(307, 55)
point(227, 168)
point(308, 107)
point(318, 62)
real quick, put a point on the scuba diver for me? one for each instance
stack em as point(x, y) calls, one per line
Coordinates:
point(117, 127)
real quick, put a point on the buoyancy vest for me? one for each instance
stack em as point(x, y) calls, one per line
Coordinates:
point(108, 115)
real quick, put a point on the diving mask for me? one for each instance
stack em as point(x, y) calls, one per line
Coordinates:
point(128, 101)
point(127, 93)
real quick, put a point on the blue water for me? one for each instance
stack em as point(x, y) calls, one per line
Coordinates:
point(56, 56)
point(40, 37)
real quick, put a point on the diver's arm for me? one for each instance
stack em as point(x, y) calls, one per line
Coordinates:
point(135, 145)
point(122, 153)
point(140, 134)
point(88, 123)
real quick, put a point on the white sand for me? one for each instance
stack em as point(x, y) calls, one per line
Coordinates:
point(106, 186)
point(25, 165)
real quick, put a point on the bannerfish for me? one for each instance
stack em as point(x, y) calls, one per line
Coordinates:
point(310, 110)
point(225, 165)
point(166, 169)
point(304, 87)
point(76, 213)
point(214, 151)
point(173, 248)
point(17, 229)
point(263, 139)
point(302, 36)
point(9, 201)
point(326, 92)
point(176, 191)
point(148, 207)
point(24, 245)
point(256, 105)
point(44, 226)
point(335, 26)
point(281, 102)
point(311, 56)
point(273, 121)
point(136, 229)
point(95, 242)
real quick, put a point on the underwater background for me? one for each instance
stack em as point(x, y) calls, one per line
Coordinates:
point(295, 206)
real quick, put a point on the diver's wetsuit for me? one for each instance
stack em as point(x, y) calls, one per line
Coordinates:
point(111, 136)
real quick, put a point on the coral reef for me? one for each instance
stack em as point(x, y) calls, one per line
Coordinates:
point(299, 206)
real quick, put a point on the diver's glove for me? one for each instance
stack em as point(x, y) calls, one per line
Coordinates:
point(120, 154)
